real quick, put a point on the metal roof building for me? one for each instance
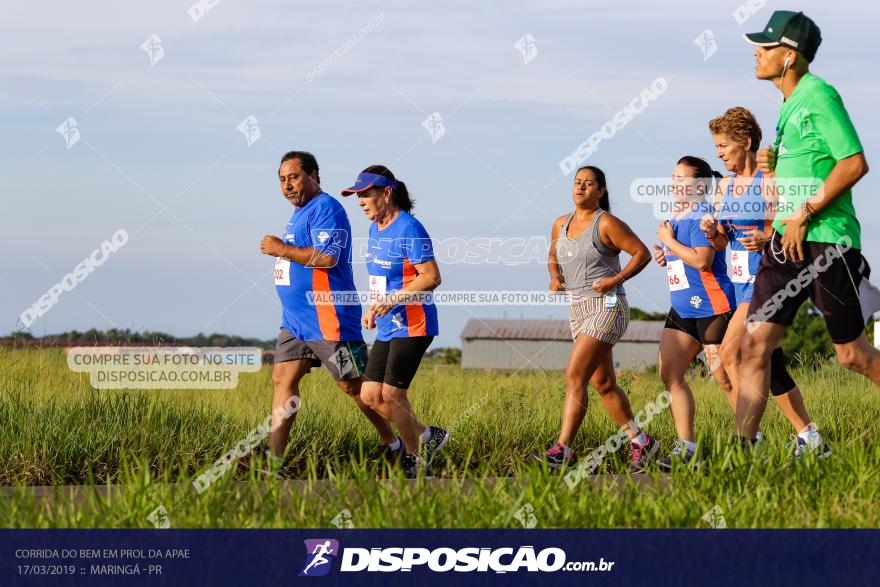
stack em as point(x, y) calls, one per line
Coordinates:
point(546, 344)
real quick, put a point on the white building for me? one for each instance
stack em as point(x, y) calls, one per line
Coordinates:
point(546, 344)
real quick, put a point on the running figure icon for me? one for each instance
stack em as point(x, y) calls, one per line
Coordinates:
point(319, 559)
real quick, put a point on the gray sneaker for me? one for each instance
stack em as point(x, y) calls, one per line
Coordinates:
point(678, 454)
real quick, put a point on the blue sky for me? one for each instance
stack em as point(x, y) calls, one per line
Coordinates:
point(160, 155)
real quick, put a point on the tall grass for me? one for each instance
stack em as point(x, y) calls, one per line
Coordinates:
point(55, 430)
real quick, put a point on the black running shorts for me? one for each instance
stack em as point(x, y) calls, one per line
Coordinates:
point(829, 276)
point(707, 330)
point(396, 361)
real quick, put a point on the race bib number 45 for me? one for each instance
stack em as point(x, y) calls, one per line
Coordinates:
point(739, 267)
point(675, 272)
point(282, 271)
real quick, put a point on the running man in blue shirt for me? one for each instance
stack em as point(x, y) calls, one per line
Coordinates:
point(403, 272)
point(313, 264)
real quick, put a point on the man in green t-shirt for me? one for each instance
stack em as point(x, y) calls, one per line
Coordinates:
point(815, 251)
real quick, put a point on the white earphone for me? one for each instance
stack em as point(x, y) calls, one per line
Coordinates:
point(784, 71)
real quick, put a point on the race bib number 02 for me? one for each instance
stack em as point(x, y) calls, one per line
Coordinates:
point(282, 271)
point(675, 272)
point(739, 266)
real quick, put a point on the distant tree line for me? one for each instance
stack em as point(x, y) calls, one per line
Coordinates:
point(125, 337)
point(445, 355)
point(806, 342)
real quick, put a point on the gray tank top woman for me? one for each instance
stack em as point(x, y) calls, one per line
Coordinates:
point(585, 260)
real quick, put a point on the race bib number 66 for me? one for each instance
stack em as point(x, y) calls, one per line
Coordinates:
point(677, 278)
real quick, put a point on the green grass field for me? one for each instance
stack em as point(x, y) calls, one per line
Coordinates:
point(57, 431)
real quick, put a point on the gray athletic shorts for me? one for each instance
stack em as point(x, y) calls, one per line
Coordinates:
point(346, 359)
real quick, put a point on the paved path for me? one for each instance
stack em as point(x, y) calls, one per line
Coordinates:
point(322, 486)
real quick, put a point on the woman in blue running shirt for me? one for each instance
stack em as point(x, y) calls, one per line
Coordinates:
point(402, 270)
point(702, 298)
point(744, 209)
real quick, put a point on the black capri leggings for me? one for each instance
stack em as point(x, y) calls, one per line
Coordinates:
point(396, 361)
point(780, 381)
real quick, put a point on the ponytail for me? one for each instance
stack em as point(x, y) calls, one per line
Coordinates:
point(401, 198)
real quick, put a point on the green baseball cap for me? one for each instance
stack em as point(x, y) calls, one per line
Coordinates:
point(791, 29)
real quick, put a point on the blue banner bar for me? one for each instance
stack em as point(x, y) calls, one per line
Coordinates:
point(436, 557)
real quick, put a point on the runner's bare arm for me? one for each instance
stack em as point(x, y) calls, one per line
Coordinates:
point(618, 235)
point(755, 240)
point(556, 282)
point(709, 222)
point(767, 161)
point(699, 258)
point(308, 256)
point(427, 279)
point(659, 255)
point(771, 196)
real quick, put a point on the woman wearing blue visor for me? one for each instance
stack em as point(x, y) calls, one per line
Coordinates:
point(402, 269)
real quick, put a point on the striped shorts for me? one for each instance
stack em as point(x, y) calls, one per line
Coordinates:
point(590, 316)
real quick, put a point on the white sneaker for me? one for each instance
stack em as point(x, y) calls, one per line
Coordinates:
point(803, 448)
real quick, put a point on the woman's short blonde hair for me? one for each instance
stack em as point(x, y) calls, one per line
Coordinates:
point(740, 125)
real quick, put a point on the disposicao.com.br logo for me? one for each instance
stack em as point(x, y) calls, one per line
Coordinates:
point(318, 553)
point(442, 560)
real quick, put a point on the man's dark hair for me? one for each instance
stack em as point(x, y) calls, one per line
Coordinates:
point(306, 160)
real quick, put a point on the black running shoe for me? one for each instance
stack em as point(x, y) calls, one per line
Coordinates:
point(438, 439)
point(413, 465)
point(555, 457)
point(384, 452)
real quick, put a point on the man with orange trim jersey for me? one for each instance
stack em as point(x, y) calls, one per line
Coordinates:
point(320, 311)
